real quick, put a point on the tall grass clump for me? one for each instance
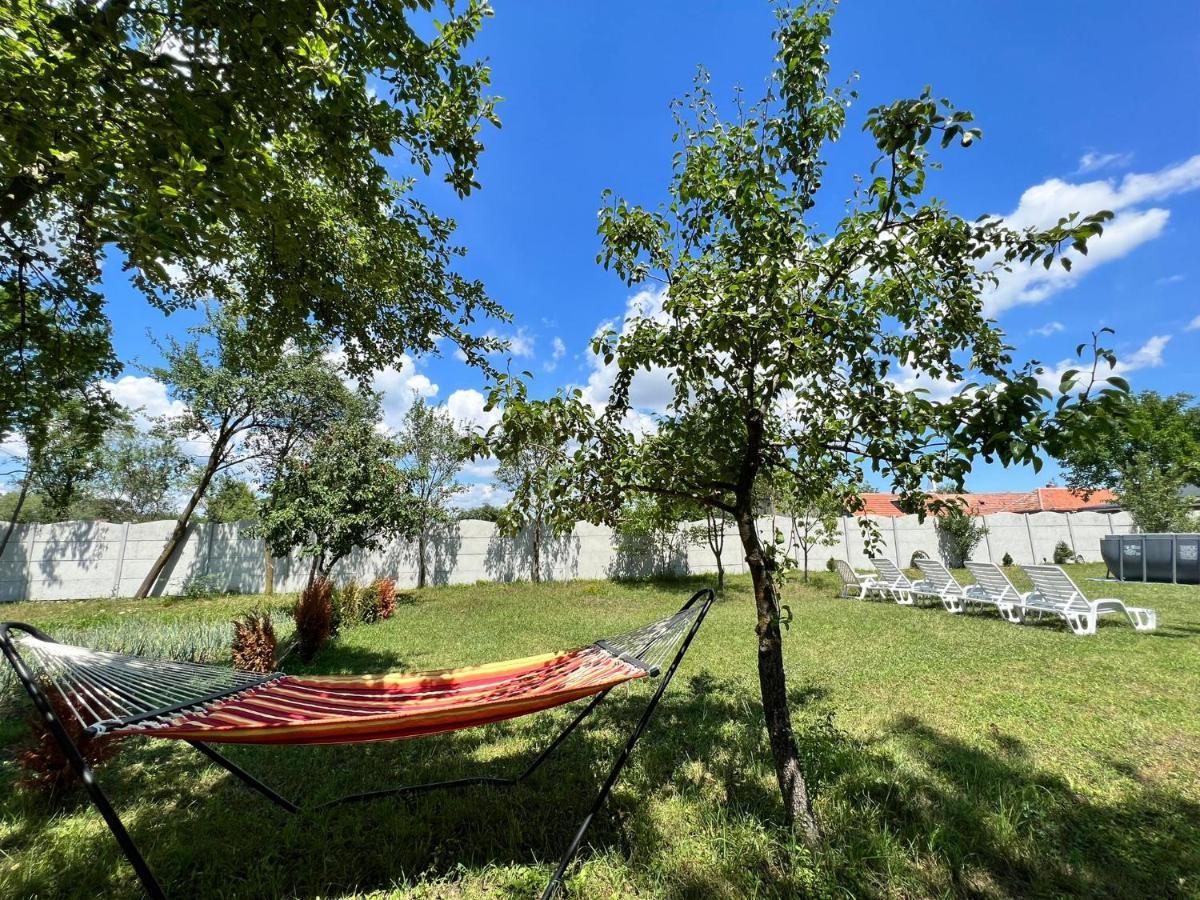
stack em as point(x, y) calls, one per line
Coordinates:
point(313, 614)
point(254, 645)
point(385, 592)
point(368, 603)
point(44, 767)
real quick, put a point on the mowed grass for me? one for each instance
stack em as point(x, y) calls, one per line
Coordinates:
point(950, 755)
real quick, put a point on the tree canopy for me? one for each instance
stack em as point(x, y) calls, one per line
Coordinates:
point(432, 452)
point(787, 340)
point(342, 492)
point(1146, 456)
point(245, 403)
point(263, 158)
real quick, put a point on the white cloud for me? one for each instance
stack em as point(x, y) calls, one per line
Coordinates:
point(938, 389)
point(481, 468)
point(558, 350)
point(478, 494)
point(650, 392)
point(1193, 325)
point(1048, 329)
point(1169, 279)
point(1043, 204)
point(520, 343)
point(1147, 356)
point(1094, 162)
point(398, 385)
point(145, 396)
point(466, 407)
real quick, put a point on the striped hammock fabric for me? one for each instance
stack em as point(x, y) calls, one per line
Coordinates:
point(122, 694)
point(355, 709)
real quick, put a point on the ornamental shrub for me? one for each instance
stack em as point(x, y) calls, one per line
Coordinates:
point(313, 613)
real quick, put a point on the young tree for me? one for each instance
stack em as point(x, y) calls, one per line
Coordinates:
point(1152, 493)
point(959, 533)
point(140, 475)
point(648, 528)
point(248, 404)
point(784, 340)
point(711, 534)
point(813, 521)
point(61, 456)
point(1146, 457)
point(230, 500)
point(344, 491)
point(249, 158)
point(528, 470)
point(432, 453)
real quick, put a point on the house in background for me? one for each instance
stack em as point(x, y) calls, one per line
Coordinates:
point(1046, 499)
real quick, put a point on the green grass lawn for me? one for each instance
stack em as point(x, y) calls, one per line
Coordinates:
point(951, 755)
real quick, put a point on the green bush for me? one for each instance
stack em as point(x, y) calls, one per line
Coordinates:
point(1007, 561)
point(198, 587)
point(368, 603)
point(958, 536)
point(830, 565)
point(347, 605)
point(1064, 554)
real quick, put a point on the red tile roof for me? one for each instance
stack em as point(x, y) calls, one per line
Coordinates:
point(1047, 499)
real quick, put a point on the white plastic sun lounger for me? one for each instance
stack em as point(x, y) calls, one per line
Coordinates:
point(939, 580)
point(897, 584)
point(855, 586)
point(1054, 593)
point(992, 588)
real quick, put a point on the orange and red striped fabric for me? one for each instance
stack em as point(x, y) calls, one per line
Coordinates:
point(340, 709)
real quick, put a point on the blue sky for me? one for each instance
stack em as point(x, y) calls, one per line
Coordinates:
point(1079, 112)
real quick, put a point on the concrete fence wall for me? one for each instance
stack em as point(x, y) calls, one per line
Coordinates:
point(80, 560)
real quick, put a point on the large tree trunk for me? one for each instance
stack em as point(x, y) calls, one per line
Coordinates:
point(16, 514)
point(181, 524)
point(772, 682)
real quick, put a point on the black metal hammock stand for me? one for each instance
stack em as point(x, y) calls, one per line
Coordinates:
point(125, 695)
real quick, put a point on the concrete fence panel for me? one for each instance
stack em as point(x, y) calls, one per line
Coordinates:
point(79, 560)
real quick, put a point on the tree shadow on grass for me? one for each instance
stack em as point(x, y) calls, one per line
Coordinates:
point(939, 817)
point(982, 822)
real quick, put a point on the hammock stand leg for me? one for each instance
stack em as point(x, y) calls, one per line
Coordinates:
point(247, 779)
point(481, 779)
point(556, 882)
point(82, 769)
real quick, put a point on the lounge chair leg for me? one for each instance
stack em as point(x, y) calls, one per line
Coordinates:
point(1012, 613)
point(83, 770)
point(556, 881)
point(247, 779)
point(1082, 623)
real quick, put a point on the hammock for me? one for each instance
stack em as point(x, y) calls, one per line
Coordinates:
point(124, 695)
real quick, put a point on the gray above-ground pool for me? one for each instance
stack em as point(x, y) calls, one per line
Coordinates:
point(1153, 557)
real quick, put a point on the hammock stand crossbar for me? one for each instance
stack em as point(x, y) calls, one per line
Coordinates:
point(102, 691)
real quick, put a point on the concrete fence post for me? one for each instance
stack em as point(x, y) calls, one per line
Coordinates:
point(896, 542)
point(120, 567)
point(987, 538)
point(1029, 531)
point(210, 529)
point(30, 544)
point(1071, 534)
